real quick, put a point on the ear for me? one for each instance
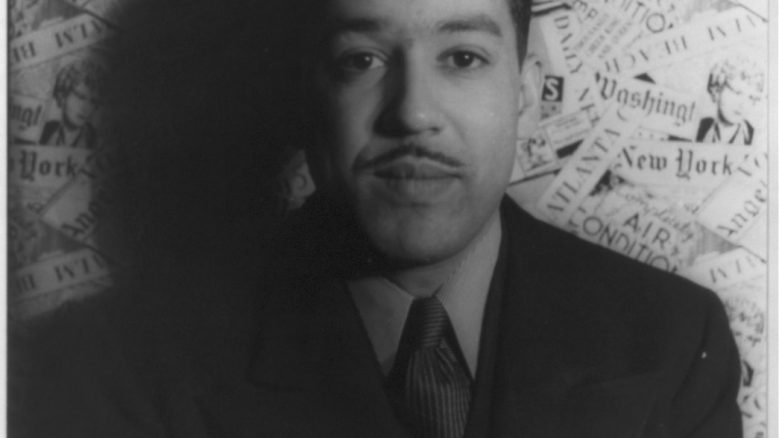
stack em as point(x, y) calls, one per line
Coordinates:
point(530, 95)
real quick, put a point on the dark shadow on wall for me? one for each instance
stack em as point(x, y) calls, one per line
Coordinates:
point(205, 130)
point(208, 115)
point(205, 113)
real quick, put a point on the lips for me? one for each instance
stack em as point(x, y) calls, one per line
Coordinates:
point(414, 181)
point(415, 170)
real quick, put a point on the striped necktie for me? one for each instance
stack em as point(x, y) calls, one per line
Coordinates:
point(428, 383)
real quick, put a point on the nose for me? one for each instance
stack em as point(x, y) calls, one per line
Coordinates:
point(412, 106)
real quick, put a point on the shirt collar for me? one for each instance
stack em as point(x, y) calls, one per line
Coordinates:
point(383, 305)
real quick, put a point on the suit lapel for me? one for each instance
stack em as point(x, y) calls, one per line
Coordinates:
point(544, 370)
point(315, 355)
point(525, 402)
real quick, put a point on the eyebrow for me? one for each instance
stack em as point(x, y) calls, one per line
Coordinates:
point(356, 25)
point(476, 23)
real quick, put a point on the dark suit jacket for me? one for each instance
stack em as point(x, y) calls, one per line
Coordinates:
point(708, 123)
point(577, 342)
point(54, 128)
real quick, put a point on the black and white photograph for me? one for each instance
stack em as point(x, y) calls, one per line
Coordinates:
point(391, 218)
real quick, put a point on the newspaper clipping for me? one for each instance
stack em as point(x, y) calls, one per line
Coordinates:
point(652, 144)
point(59, 63)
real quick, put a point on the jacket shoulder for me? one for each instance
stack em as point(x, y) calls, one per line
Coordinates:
point(598, 317)
point(615, 304)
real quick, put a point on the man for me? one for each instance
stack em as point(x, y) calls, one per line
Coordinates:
point(735, 86)
point(410, 297)
point(77, 93)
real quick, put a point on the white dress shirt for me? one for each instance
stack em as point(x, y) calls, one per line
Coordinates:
point(384, 305)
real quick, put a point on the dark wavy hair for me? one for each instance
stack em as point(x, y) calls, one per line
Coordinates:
point(520, 13)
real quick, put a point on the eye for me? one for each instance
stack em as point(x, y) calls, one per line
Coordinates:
point(735, 91)
point(358, 62)
point(464, 60)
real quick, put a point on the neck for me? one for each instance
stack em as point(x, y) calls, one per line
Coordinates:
point(723, 121)
point(426, 280)
point(70, 127)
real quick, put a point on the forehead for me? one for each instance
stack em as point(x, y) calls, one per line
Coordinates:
point(491, 16)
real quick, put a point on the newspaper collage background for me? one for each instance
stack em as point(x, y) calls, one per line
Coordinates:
point(652, 142)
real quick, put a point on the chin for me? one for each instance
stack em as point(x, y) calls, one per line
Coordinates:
point(415, 241)
point(421, 251)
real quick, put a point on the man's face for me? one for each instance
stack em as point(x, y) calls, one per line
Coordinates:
point(421, 100)
point(736, 101)
point(78, 106)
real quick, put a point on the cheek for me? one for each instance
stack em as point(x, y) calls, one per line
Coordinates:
point(492, 134)
point(69, 106)
point(743, 102)
point(349, 129)
point(76, 105)
point(731, 101)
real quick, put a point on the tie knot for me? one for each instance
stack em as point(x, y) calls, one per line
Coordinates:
point(427, 323)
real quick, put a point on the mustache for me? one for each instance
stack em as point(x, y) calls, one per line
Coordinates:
point(407, 150)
